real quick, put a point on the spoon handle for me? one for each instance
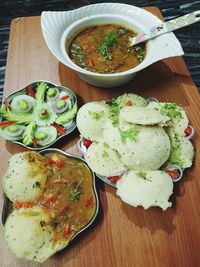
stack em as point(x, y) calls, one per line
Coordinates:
point(166, 27)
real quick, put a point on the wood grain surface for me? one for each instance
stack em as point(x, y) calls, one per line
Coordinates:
point(122, 236)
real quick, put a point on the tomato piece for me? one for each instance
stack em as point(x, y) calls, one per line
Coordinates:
point(35, 143)
point(188, 131)
point(30, 91)
point(44, 112)
point(67, 230)
point(62, 212)
point(86, 142)
point(89, 47)
point(90, 62)
point(6, 123)
point(86, 31)
point(129, 103)
point(6, 102)
point(89, 202)
point(173, 174)
point(47, 197)
point(64, 97)
point(61, 181)
point(59, 128)
point(54, 160)
point(26, 204)
point(17, 205)
point(114, 179)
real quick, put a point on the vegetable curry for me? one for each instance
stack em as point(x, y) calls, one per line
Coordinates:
point(105, 49)
point(68, 196)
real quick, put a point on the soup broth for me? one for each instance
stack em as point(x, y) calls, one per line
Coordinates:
point(105, 49)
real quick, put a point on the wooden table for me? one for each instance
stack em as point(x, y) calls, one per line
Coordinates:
point(122, 236)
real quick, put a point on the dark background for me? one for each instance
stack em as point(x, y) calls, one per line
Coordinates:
point(189, 36)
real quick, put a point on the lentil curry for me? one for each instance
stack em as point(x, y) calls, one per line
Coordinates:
point(105, 49)
point(68, 196)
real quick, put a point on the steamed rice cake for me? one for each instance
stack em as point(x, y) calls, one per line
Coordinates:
point(178, 117)
point(131, 99)
point(147, 189)
point(143, 115)
point(29, 235)
point(25, 177)
point(91, 118)
point(148, 151)
point(182, 152)
point(104, 160)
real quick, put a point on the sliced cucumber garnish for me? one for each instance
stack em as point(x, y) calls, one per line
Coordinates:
point(45, 135)
point(22, 103)
point(52, 93)
point(12, 132)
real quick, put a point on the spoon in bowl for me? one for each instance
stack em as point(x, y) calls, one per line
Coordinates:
point(166, 27)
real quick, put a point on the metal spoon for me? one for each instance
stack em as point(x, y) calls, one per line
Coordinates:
point(166, 27)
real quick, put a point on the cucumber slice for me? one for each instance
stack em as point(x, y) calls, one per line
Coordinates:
point(49, 134)
point(12, 134)
point(68, 100)
point(52, 93)
point(22, 103)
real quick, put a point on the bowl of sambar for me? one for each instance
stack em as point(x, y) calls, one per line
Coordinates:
point(94, 42)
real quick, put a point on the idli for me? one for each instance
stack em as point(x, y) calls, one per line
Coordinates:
point(103, 160)
point(147, 189)
point(140, 147)
point(130, 99)
point(182, 152)
point(143, 115)
point(91, 118)
point(25, 177)
point(29, 234)
point(111, 132)
point(178, 118)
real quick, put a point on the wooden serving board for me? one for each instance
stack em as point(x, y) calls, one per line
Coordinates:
point(122, 236)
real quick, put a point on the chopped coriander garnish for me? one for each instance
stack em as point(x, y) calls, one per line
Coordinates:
point(122, 31)
point(143, 175)
point(108, 43)
point(175, 158)
point(36, 184)
point(105, 144)
point(96, 115)
point(30, 213)
point(77, 53)
point(75, 195)
point(172, 110)
point(131, 134)
point(65, 218)
point(105, 154)
point(140, 52)
point(115, 105)
point(176, 141)
point(113, 116)
point(76, 192)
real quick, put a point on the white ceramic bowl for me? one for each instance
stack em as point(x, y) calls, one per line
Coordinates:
point(59, 27)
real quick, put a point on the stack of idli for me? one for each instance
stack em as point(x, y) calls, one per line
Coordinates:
point(27, 231)
point(131, 134)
